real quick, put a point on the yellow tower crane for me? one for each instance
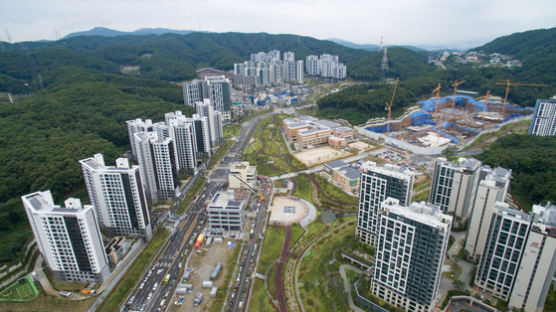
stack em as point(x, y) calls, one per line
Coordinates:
point(455, 85)
point(507, 83)
point(389, 107)
point(437, 90)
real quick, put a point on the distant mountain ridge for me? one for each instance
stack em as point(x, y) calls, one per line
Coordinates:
point(107, 32)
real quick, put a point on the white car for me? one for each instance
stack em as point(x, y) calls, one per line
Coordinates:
point(150, 296)
point(155, 286)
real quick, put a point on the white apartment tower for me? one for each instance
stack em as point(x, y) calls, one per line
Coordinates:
point(157, 161)
point(411, 246)
point(377, 184)
point(205, 109)
point(194, 91)
point(299, 72)
point(454, 185)
point(68, 238)
point(117, 196)
point(492, 188)
point(544, 118)
point(538, 264)
point(507, 236)
point(183, 136)
point(312, 65)
point(136, 126)
point(219, 92)
point(202, 135)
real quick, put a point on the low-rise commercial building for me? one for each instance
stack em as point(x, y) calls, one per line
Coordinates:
point(225, 213)
point(241, 173)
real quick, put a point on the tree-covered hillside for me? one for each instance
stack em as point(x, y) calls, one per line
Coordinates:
point(360, 102)
point(527, 46)
point(533, 162)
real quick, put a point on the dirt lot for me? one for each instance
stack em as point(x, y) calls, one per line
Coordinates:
point(280, 218)
point(319, 155)
point(202, 262)
point(362, 146)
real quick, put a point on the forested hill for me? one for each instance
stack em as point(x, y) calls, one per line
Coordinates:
point(175, 57)
point(526, 46)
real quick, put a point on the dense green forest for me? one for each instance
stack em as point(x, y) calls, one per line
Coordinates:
point(358, 102)
point(81, 113)
point(533, 163)
point(526, 46)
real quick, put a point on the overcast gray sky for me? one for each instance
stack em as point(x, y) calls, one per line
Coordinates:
point(420, 22)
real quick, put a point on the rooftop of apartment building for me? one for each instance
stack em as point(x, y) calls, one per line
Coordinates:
point(421, 212)
point(470, 164)
point(42, 201)
point(387, 169)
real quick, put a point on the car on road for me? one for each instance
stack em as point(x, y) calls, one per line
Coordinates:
point(142, 285)
point(155, 286)
point(149, 296)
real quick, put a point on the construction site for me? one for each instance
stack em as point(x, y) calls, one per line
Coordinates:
point(440, 121)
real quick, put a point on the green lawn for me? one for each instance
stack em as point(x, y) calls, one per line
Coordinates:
point(23, 289)
point(192, 192)
point(272, 247)
point(321, 292)
point(231, 130)
point(297, 232)
point(335, 193)
point(134, 273)
point(259, 300)
point(304, 187)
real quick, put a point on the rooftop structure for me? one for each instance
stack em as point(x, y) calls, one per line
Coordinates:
point(226, 213)
point(242, 173)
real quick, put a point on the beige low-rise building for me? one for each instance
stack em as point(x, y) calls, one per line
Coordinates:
point(335, 141)
point(240, 173)
point(347, 178)
point(309, 131)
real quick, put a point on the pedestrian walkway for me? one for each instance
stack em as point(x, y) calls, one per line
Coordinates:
point(347, 286)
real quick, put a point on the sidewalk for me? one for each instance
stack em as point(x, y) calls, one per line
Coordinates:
point(347, 286)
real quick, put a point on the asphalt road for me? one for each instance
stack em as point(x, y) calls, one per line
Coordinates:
point(153, 293)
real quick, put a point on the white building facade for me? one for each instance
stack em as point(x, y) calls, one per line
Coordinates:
point(68, 238)
point(544, 118)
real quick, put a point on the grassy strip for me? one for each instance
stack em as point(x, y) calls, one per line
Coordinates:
point(335, 192)
point(134, 273)
point(192, 192)
point(297, 232)
point(259, 300)
point(231, 131)
point(222, 150)
point(272, 247)
point(221, 294)
point(304, 187)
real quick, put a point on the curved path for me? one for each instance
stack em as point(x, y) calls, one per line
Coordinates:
point(283, 257)
point(347, 286)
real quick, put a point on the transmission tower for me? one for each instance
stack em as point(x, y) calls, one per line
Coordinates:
point(384, 62)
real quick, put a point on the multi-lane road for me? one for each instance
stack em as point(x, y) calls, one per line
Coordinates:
point(152, 292)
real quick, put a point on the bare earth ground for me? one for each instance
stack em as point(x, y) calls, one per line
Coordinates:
point(319, 155)
point(362, 146)
point(278, 216)
point(203, 262)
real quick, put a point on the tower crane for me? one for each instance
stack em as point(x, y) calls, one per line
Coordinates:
point(507, 83)
point(261, 196)
point(455, 85)
point(389, 107)
point(437, 90)
point(485, 98)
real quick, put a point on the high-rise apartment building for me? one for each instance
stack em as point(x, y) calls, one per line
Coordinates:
point(506, 239)
point(182, 131)
point(265, 69)
point(205, 109)
point(326, 66)
point(289, 56)
point(136, 126)
point(202, 135)
point(454, 185)
point(68, 238)
point(377, 184)
point(538, 264)
point(492, 188)
point(411, 246)
point(215, 88)
point(312, 65)
point(117, 196)
point(544, 118)
point(157, 161)
point(194, 91)
point(299, 72)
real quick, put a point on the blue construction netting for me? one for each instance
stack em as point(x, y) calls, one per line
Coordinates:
point(447, 125)
point(467, 129)
point(446, 135)
point(420, 118)
point(512, 116)
point(379, 129)
point(428, 105)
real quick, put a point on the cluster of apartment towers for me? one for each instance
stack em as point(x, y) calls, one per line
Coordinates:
point(267, 68)
point(69, 237)
point(516, 250)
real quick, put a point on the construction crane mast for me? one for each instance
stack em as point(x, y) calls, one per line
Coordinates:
point(389, 107)
point(455, 85)
point(437, 91)
point(485, 98)
point(507, 83)
point(261, 196)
